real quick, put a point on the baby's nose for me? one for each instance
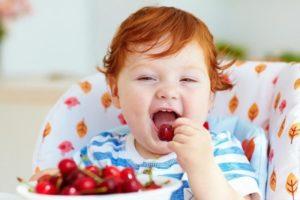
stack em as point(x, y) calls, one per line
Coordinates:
point(167, 92)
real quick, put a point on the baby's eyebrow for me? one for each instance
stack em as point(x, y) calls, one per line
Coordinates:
point(192, 67)
point(140, 66)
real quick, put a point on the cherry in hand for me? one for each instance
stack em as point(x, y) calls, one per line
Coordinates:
point(166, 132)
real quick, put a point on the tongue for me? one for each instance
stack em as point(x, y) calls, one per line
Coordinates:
point(161, 118)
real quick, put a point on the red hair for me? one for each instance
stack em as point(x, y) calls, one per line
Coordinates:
point(148, 25)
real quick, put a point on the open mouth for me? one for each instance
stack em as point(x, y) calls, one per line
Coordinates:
point(164, 117)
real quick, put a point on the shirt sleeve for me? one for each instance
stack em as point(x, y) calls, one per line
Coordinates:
point(235, 166)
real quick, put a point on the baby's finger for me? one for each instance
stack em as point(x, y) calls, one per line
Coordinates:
point(181, 138)
point(186, 121)
point(186, 130)
point(174, 146)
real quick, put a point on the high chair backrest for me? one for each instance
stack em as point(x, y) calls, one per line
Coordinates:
point(86, 109)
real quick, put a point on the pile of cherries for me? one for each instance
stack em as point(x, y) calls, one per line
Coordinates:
point(91, 180)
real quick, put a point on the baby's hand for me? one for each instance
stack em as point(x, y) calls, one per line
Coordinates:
point(192, 144)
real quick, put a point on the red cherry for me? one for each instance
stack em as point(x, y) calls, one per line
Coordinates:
point(110, 171)
point(45, 187)
point(113, 185)
point(166, 132)
point(131, 186)
point(71, 178)
point(127, 174)
point(70, 190)
point(94, 169)
point(66, 166)
point(56, 180)
point(85, 184)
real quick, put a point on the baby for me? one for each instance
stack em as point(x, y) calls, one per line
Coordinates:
point(162, 69)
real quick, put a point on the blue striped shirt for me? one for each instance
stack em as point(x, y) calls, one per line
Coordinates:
point(116, 147)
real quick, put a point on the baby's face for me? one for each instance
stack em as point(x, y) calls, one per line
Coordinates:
point(174, 84)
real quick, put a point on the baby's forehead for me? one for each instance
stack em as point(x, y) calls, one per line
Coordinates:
point(189, 55)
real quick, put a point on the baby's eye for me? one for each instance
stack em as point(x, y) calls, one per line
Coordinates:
point(188, 80)
point(145, 78)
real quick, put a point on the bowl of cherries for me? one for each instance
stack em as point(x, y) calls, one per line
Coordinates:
point(72, 182)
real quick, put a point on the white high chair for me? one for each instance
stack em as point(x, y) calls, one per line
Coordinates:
point(267, 94)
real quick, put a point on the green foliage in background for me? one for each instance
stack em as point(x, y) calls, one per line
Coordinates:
point(2, 32)
point(231, 51)
point(289, 57)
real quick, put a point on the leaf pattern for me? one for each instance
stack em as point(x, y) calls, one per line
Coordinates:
point(282, 106)
point(65, 147)
point(281, 128)
point(271, 155)
point(297, 84)
point(47, 130)
point(278, 96)
point(206, 125)
point(267, 128)
point(122, 119)
point(253, 112)
point(273, 181)
point(291, 184)
point(85, 86)
point(233, 104)
point(106, 100)
point(81, 129)
point(294, 131)
point(72, 102)
point(260, 68)
point(248, 147)
point(275, 80)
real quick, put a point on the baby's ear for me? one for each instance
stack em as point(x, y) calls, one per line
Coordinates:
point(113, 84)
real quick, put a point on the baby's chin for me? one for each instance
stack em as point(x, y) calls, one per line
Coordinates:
point(161, 148)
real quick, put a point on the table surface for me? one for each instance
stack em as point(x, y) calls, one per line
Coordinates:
point(9, 196)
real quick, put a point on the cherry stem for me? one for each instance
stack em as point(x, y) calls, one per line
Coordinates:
point(150, 175)
point(92, 175)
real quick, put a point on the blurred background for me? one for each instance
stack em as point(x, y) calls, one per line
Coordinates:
point(46, 45)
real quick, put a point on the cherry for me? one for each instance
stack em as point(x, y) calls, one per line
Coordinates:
point(45, 187)
point(94, 169)
point(131, 185)
point(166, 132)
point(70, 190)
point(66, 166)
point(76, 174)
point(112, 184)
point(110, 171)
point(85, 184)
point(72, 180)
point(127, 174)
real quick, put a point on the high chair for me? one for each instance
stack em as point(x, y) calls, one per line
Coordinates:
point(265, 93)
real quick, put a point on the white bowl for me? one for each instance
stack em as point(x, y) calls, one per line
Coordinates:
point(164, 192)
